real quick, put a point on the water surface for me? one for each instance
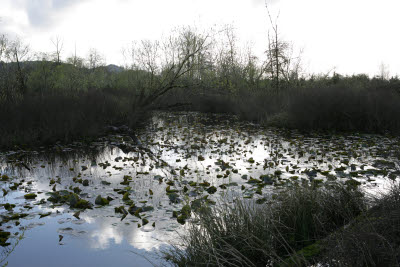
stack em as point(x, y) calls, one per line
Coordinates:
point(183, 157)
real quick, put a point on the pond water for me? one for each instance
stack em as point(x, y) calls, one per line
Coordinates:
point(51, 196)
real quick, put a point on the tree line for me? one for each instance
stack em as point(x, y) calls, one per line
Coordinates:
point(55, 99)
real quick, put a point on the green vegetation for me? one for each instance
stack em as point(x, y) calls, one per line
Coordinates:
point(299, 226)
point(74, 201)
point(101, 201)
point(4, 237)
point(30, 196)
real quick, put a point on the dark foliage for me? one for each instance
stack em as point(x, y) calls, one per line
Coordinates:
point(344, 104)
point(44, 119)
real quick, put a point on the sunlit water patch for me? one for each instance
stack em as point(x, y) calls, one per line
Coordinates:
point(119, 202)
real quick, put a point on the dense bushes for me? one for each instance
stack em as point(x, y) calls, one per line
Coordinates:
point(40, 119)
point(341, 108)
point(354, 103)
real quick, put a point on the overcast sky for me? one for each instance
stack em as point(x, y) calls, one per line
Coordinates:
point(352, 36)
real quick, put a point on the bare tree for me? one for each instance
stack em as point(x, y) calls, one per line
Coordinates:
point(167, 63)
point(129, 55)
point(384, 72)
point(75, 60)
point(18, 52)
point(253, 70)
point(58, 46)
point(40, 79)
point(3, 47)
point(281, 63)
point(274, 52)
point(228, 59)
point(94, 59)
point(12, 75)
point(4, 71)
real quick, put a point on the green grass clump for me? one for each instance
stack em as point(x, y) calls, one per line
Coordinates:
point(300, 226)
point(271, 232)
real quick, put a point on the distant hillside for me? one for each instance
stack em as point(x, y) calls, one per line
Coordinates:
point(111, 68)
point(114, 68)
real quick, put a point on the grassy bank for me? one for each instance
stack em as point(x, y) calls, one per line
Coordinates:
point(299, 226)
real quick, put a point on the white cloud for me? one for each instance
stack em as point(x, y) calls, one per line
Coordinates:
point(43, 13)
point(354, 36)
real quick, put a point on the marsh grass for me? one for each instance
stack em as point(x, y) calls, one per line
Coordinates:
point(342, 108)
point(46, 119)
point(373, 239)
point(291, 223)
point(345, 104)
